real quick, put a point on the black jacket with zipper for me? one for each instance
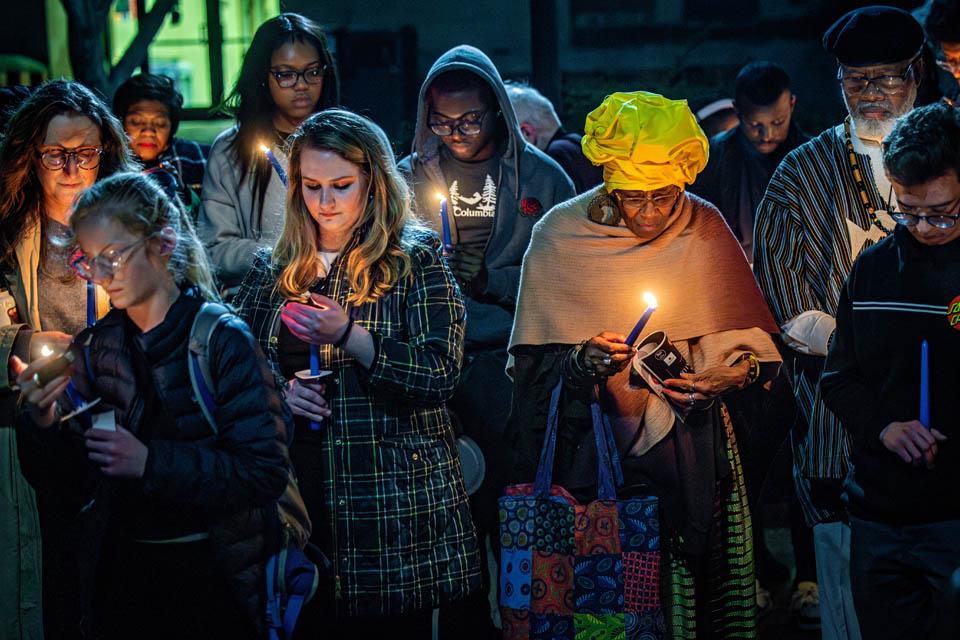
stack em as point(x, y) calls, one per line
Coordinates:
point(230, 480)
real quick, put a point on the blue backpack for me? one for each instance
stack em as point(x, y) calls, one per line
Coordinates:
point(292, 577)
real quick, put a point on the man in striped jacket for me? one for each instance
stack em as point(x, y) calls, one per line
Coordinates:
point(827, 201)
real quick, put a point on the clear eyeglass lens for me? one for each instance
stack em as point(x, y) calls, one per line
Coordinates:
point(288, 79)
point(859, 84)
point(469, 127)
point(661, 202)
point(912, 220)
point(86, 158)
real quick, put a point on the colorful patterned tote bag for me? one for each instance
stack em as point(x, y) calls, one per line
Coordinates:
point(579, 572)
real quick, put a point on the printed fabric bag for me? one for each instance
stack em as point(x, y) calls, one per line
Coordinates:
point(579, 572)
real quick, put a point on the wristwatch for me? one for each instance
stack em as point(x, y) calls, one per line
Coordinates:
point(753, 373)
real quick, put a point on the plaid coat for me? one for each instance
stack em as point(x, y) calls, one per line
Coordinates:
point(398, 518)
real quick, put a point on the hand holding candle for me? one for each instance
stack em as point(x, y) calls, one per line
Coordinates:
point(651, 301)
point(276, 163)
point(314, 324)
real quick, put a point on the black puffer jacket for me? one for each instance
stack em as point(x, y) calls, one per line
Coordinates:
point(234, 477)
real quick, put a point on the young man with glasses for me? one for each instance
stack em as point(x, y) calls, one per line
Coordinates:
point(823, 206)
point(905, 465)
point(468, 148)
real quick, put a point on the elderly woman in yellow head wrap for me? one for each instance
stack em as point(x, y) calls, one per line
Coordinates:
point(588, 263)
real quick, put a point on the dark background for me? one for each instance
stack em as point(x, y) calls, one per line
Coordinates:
point(575, 51)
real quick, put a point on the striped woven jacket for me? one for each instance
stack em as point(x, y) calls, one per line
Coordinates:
point(810, 226)
point(397, 517)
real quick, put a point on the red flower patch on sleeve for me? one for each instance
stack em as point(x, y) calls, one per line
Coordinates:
point(530, 207)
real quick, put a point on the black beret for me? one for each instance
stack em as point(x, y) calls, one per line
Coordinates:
point(874, 35)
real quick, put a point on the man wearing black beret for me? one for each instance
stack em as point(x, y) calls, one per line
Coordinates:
point(827, 201)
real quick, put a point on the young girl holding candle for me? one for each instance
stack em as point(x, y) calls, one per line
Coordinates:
point(354, 274)
point(287, 74)
point(60, 141)
point(162, 483)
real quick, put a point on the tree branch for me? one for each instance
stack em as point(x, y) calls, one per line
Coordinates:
point(135, 54)
point(85, 21)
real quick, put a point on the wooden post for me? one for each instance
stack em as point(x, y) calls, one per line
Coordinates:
point(545, 50)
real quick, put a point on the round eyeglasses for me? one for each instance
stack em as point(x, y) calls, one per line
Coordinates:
point(56, 159)
point(938, 219)
point(469, 124)
point(106, 264)
point(855, 83)
point(288, 78)
point(662, 202)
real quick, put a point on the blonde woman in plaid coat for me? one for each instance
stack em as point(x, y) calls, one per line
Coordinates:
point(356, 275)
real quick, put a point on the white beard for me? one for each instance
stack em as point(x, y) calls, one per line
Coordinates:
point(872, 129)
point(877, 130)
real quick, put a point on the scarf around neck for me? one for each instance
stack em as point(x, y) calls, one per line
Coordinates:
point(580, 278)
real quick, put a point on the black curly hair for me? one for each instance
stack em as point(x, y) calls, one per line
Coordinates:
point(149, 86)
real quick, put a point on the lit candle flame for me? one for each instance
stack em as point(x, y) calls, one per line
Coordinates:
point(440, 196)
point(264, 148)
point(45, 351)
point(650, 299)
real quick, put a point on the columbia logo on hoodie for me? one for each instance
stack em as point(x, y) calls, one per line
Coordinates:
point(479, 205)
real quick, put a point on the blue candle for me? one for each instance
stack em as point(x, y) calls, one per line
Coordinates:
point(925, 384)
point(91, 303)
point(276, 164)
point(314, 370)
point(641, 323)
point(445, 225)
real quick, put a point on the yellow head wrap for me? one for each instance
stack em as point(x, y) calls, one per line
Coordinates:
point(645, 141)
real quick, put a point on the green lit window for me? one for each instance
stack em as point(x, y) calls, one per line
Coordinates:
point(200, 45)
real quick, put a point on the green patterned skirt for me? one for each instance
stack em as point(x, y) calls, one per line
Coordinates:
point(715, 597)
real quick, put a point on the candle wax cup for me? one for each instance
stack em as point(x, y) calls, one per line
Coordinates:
point(307, 376)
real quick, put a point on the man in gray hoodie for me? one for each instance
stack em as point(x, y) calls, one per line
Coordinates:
point(468, 149)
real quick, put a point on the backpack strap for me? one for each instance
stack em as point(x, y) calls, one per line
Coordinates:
point(208, 318)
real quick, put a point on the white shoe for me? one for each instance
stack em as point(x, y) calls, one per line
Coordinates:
point(805, 606)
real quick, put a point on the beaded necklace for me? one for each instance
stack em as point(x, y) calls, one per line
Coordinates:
point(858, 178)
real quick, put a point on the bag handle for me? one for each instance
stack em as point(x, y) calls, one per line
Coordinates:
point(544, 477)
point(609, 473)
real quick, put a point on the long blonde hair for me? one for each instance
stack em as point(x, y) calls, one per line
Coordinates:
point(142, 207)
point(379, 261)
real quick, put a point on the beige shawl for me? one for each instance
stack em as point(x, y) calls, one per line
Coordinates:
point(580, 278)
